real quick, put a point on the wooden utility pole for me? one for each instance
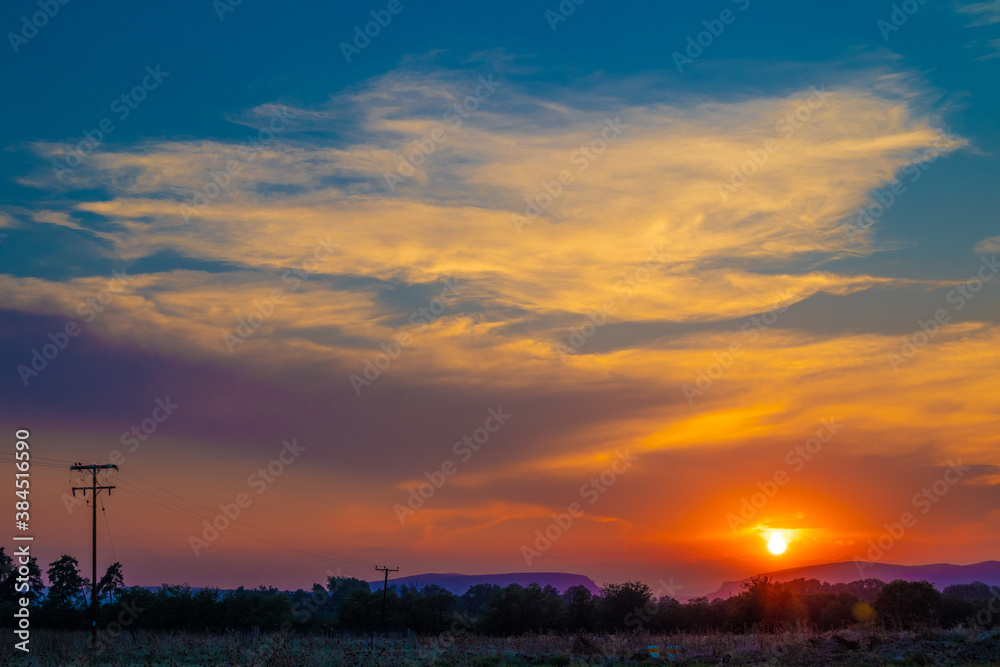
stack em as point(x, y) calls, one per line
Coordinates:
point(94, 488)
point(385, 589)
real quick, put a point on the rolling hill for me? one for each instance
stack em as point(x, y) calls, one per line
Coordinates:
point(939, 574)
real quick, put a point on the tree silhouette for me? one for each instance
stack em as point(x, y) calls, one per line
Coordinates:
point(580, 613)
point(973, 592)
point(7, 576)
point(111, 582)
point(66, 586)
point(903, 604)
point(476, 600)
point(348, 605)
point(620, 600)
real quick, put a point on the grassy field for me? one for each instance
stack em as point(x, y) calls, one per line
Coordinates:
point(296, 650)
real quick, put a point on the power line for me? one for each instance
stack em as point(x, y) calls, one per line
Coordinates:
point(45, 459)
point(213, 513)
point(385, 589)
point(33, 462)
point(104, 513)
point(94, 489)
point(199, 514)
point(237, 531)
point(150, 497)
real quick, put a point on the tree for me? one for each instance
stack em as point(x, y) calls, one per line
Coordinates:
point(578, 602)
point(439, 605)
point(620, 600)
point(504, 615)
point(768, 605)
point(973, 592)
point(836, 611)
point(36, 587)
point(341, 588)
point(750, 605)
point(668, 616)
point(532, 603)
point(66, 586)
point(903, 604)
point(551, 608)
point(359, 610)
point(8, 576)
point(111, 582)
point(476, 600)
point(174, 604)
point(866, 589)
point(142, 610)
point(967, 604)
point(203, 606)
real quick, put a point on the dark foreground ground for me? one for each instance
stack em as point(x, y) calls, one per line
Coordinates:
point(846, 647)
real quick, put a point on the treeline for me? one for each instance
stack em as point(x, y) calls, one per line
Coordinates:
point(348, 605)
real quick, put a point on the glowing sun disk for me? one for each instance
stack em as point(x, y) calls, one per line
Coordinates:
point(776, 544)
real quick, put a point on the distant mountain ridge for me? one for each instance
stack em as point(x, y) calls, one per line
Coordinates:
point(460, 583)
point(939, 574)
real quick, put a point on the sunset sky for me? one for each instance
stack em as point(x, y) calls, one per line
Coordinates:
point(628, 264)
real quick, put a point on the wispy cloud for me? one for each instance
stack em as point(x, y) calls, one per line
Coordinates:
point(994, 45)
point(990, 245)
point(984, 13)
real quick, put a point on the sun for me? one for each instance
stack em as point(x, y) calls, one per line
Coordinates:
point(776, 543)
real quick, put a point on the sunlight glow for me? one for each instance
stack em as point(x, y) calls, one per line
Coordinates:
point(776, 543)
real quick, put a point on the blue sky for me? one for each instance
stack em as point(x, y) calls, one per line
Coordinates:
point(66, 77)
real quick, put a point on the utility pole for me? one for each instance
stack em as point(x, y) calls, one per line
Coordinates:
point(94, 488)
point(385, 589)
